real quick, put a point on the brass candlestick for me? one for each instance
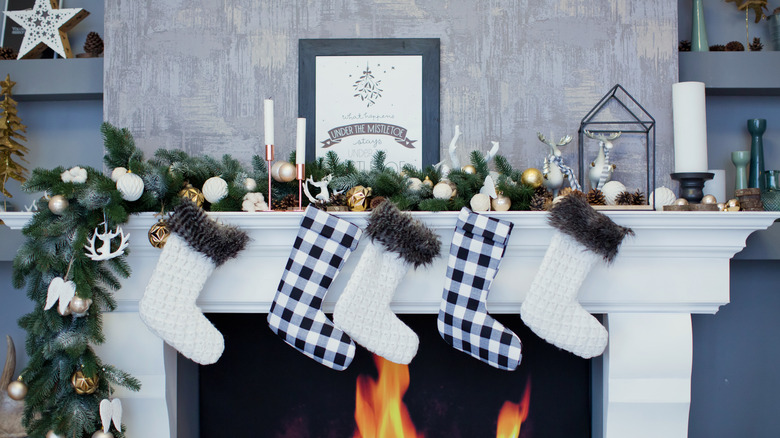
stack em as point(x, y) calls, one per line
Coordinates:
point(269, 157)
point(300, 174)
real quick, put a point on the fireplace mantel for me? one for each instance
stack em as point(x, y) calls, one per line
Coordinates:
point(676, 264)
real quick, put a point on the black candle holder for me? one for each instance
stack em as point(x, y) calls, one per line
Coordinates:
point(692, 184)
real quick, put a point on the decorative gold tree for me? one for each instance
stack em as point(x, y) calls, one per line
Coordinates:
point(11, 151)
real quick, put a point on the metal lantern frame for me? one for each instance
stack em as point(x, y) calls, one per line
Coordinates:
point(636, 122)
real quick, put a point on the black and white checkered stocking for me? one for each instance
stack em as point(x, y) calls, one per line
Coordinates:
point(323, 244)
point(475, 254)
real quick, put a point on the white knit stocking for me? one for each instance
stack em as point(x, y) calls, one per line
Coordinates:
point(363, 309)
point(551, 308)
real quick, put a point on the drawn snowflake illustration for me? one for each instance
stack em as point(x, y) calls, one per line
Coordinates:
point(367, 87)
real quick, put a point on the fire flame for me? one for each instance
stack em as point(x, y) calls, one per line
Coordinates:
point(512, 415)
point(379, 408)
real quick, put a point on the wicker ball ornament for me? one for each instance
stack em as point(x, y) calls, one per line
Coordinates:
point(83, 384)
point(58, 204)
point(215, 189)
point(131, 186)
point(158, 234)
point(480, 202)
point(193, 194)
point(17, 390)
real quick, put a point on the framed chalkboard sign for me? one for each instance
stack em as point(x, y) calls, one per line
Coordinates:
point(364, 95)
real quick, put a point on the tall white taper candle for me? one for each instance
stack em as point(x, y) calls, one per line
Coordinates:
point(268, 120)
point(300, 145)
point(689, 112)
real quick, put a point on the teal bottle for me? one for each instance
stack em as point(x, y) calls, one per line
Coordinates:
point(756, 127)
point(698, 29)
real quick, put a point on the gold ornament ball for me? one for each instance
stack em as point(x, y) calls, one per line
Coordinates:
point(101, 434)
point(79, 305)
point(532, 177)
point(471, 170)
point(17, 390)
point(193, 195)
point(722, 206)
point(427, 182)
point(52, 434)
point(709, 199)
point(357, 198)
point(82, 384)
point(158, 234)
point(501, 203)
point(681, 201)
point(282, 171)
point(58, 204)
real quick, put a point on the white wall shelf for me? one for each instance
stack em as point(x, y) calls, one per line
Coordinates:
point(55, 79)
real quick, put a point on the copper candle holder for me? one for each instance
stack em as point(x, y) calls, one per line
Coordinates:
point(269, 157)
point(300, 174)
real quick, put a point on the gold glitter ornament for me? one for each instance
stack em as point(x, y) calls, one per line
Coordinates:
point(158, 234)
point(357, 198)
point(82, 384)
point(193, 195)
point(427, 182)
point(532, 177)
point(471, 170)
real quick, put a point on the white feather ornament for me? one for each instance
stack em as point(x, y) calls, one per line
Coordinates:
point(62, 291)
point(131, 186)
point(215, 189)
point(611, 191)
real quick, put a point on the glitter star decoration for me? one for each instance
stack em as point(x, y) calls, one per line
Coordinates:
point(46, 25)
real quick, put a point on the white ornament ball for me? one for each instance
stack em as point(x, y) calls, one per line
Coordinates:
point(131, 186)
point(442, 190)
point(250, 184)
point(101, 434)
point(52, 434)
point(215, 189)
point(611, 191)
point(282, 171)
point(17, 390)
point(662, 196)
point(415, 184)
point(117, 173)
point(58, 204)
point(480, 202)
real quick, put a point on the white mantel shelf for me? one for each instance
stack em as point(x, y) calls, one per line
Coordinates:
point(676, 264)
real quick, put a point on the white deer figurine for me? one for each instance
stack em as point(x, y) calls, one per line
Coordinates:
point(601, 169)
point(324, 195)
point(554, 169)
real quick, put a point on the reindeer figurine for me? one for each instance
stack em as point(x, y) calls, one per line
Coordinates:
point(554, 170)
point(601, 169)
point(324, 195)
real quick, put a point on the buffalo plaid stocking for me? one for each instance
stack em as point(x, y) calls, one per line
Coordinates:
point(323, 244)
point(475, 254)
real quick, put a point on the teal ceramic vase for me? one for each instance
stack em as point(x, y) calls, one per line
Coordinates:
point(756, 127)
point(740, 160)
point(770, 196)
point(698, 29)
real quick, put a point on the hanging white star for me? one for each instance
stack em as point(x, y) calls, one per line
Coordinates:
point(46, 25)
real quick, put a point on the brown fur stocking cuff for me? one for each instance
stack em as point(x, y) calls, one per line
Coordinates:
point(400, 233)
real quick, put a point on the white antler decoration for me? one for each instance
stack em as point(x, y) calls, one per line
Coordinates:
point(104, 252)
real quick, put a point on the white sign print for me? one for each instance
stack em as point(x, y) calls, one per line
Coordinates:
point(370, 103)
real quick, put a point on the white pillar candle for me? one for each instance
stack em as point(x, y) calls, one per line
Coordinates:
point(300, 146)
point(690, 127)
point(268, 121)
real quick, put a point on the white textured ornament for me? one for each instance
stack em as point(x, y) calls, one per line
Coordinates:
point(415, 184)
point(442, 190)
point(75, 175)
point(131, 186)
point(46, 25)
point(215, 189)
point(254, 202)
point(662, 196)
point(117, 173)
point(480, 202)
point(250, 184)
point(62, 291)
point(611, 191)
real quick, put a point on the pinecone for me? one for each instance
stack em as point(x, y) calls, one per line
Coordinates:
point(638, 198)
point(756, 45)
point(735, 46)
point(596, 197)
point(684, 46)
point(94, 44)
point(542, 191)
point(376, 200)
point(338, 200)
point(540, 203)
point(8, 53)
point(569, 191)
point(289, 201)
point(718, 48)
point(624, 198)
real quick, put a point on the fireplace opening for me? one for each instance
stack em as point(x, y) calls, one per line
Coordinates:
point(262, 387)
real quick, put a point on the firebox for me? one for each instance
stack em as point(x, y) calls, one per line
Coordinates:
point(262, 387)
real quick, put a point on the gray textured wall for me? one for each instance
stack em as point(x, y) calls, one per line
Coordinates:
point(192, 74)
